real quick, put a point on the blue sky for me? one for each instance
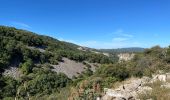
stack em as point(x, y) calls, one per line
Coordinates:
point(93, 23)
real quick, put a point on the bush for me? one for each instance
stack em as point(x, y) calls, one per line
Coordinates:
point(27, 66)
point(118, 71)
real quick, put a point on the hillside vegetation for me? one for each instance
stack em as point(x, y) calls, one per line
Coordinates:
point(35, 55)
point(151, 61)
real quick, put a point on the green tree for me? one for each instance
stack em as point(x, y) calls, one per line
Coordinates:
point(27, 66)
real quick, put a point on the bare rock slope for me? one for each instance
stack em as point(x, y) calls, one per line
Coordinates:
point(69, 67)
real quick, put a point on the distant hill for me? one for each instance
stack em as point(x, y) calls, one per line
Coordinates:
point(123, 50)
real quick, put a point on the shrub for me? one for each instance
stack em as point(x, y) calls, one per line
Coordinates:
point(27, 66)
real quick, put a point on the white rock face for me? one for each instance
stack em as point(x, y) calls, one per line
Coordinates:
point(125, 56)
point(106, 54)
point(13, 72)
point(160, 77)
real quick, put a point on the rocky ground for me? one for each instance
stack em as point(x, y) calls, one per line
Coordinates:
point(13, 72)
point(71, 68)
point(132, 88)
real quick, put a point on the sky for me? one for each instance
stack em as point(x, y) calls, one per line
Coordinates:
point(93, 23)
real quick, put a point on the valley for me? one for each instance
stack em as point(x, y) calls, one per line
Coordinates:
point(37, 67)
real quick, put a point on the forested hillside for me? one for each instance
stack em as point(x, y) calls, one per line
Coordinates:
point(33, 54)
point(20, 42)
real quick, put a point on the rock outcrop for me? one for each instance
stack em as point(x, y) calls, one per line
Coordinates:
point(127, 91)
point(130, 89)
point(125, 56)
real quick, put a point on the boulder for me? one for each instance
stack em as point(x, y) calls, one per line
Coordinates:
point(159, 77)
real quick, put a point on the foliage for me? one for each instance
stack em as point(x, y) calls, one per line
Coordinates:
point(41, 49)
point(117, 71)
point(27, 66)
point(8, 87)
point(47, 83)
point(35, 53)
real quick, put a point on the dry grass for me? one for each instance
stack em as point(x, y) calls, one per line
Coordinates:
point(157, 93)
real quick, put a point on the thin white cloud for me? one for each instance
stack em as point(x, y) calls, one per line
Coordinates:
point(120, 39)
point(20, 24)
point(121, 36)
point(90, 42)
point(115, 43)
point(127, 35)
point(120, 32)
point(109, 44)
